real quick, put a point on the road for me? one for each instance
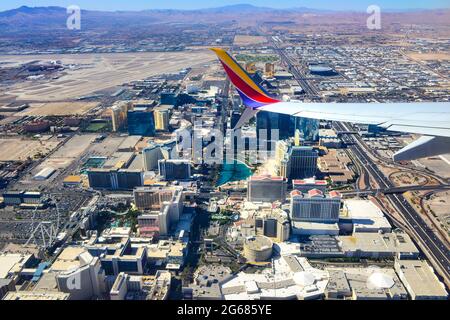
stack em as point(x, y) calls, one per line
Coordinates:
point(434, 247)
point(299, 77)
point(400, 190)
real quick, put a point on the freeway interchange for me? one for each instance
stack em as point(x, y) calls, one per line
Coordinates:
point(433, 247)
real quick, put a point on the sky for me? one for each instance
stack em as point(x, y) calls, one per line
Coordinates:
point(113, 5)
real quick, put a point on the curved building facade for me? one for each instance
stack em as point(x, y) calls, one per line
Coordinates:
point(321, 70)
point(258, 249)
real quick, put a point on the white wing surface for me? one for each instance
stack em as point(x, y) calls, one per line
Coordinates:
point(429, 119)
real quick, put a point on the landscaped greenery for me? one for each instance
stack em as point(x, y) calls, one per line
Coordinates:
point(97, 127)
point(258, 58)
point(130, 219)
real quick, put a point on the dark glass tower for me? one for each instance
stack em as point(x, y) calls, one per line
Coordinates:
point(286, 126)
point(141, 122)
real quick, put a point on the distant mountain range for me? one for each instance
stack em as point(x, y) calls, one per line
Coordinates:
point(33, 19)
point(29, 18)
point(237, 8)
point(248, 8)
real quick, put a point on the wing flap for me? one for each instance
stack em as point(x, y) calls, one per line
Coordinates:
point(425, 130)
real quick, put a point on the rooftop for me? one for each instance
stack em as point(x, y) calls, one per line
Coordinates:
point(365, 216)
point(420, 279)
point(266, 177)
point(258, 243)
point(36, 295)
point(68, 259)
point(291, 277)
point(367, 283)
point(309, 181)
point(12, 263)
point(315, 193)
point(381, 243)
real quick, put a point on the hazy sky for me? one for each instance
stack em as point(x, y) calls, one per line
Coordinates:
point(111, 5)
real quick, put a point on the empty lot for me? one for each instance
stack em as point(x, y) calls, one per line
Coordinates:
point(244, 40)
point(58, 109)
point(15, 149)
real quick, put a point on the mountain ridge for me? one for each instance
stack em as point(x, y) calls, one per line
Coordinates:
point(236, 8)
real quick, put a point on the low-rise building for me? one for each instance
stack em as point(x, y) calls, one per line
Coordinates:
point(12, 264)
point(420, 280)
point(167, 254)
point(290, 278)
point(129, 287)
point(329, 138)
point(363, 216)
point(370, 283)
point(22, 198)
point(207, 283)
point(335, 164)
point(379, 246)
point(305, 228)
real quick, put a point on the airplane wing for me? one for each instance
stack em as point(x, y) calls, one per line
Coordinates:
point(432, 120)
point(421, 118)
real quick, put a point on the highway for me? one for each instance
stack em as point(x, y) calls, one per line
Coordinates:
point(434, 247)
point(299, 77)
point(400, 190)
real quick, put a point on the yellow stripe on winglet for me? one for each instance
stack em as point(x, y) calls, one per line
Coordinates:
point(225, 58)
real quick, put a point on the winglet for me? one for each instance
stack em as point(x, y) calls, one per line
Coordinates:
point(252, 95)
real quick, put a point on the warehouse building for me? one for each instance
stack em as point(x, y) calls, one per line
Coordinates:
point(379, 246)
point(420, 280)
point(44, 174)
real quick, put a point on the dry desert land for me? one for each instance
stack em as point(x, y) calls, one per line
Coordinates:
point(243, 40)
point(429, 56)
point(439, 203)
point(99, 72)
point(439, 165)
point(18, 149)
point(67, 153)
point(58, 109)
